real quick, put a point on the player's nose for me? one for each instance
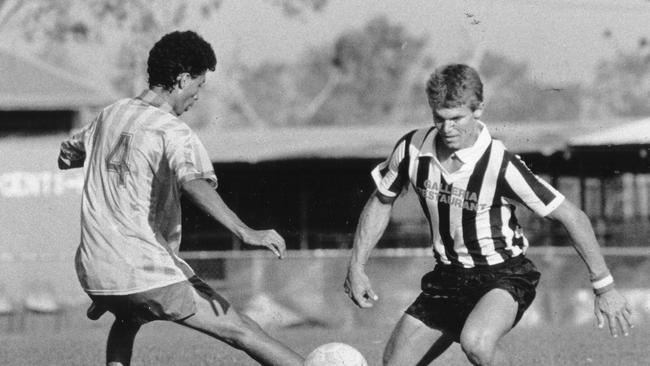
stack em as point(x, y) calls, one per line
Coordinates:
point(447, 125)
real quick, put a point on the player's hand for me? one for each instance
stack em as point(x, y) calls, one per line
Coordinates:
point(357, 286)
point(613, 308)
point(267, 238)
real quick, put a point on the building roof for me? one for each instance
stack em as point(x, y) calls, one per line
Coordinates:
point(374, 142)
point(27, 83)
point(254, 145)
point(630, 133)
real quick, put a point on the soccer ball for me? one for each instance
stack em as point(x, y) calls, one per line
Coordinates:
point(335, 354)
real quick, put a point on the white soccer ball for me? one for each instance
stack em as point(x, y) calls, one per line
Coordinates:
point(335, 354)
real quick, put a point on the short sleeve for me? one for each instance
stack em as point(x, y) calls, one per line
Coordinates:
point(529, 189)
point(187, 156)
point(391, 176)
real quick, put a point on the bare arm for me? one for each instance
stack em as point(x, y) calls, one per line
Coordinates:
point(609, 304)
point(73, 150)
point(372, 224)
point(205, 197)
point(579, 228)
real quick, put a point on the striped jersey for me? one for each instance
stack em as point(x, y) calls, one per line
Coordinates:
point(135, 155)
point(470, 211)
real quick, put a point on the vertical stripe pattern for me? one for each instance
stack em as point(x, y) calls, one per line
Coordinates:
point(471, 211)
point(469, 227)
point(138, 156)
point(444, 220)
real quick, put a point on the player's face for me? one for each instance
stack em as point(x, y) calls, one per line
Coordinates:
point(457, 127)
point(188, 92)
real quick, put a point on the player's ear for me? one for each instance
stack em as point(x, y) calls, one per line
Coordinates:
point(182, 79)
point(478, 112)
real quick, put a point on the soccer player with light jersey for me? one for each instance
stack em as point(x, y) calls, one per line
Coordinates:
point(467, 183)
point(138, 158)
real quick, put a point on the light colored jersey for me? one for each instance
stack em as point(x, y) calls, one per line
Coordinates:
point(470, 211)
point(136, 155)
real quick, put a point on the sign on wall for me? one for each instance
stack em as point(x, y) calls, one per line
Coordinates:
point(39, 217)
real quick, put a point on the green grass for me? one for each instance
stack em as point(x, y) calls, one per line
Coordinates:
point(162, 343)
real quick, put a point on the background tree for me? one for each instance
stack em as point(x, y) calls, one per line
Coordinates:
point(621, 86)
point(380, 62)
point(370, 75)
point(364, 76)
point(376, 75)
point(512, 95)
point(134, 24)
point(130, 27)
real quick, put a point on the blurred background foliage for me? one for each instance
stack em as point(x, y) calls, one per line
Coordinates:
point(371, 75)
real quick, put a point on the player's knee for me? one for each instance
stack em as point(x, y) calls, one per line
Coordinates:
point(478, 349)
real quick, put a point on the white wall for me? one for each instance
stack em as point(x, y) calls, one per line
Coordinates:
point(39, 218)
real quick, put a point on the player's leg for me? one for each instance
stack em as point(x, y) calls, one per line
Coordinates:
point(226, 324)
point(414, 343)
point(430, 324)
point(119, 346)
point(492, 317)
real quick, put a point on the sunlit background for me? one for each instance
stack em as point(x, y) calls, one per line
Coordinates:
point(307, 97)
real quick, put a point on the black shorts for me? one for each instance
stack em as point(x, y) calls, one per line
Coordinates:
point(450, 293)
point(172, 302)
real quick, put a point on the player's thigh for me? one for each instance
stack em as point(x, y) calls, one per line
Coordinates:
point(412, 341)
point(216, 320)
point(492, 317)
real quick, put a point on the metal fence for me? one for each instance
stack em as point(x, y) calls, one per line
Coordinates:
point(306, 287)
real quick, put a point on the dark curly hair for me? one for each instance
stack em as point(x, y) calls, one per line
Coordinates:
point(176, 53)
point(454, 85)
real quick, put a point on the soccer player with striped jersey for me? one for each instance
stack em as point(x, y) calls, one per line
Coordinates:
point(467, 183)
point(138, 158)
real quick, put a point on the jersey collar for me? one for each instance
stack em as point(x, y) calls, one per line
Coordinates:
point(473, 153)
point(467, 155)
point(155, 100)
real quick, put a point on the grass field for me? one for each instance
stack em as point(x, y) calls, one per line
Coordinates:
point(162, 343)
point(551, 337)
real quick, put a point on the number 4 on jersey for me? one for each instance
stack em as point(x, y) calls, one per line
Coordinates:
point(117, 160)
